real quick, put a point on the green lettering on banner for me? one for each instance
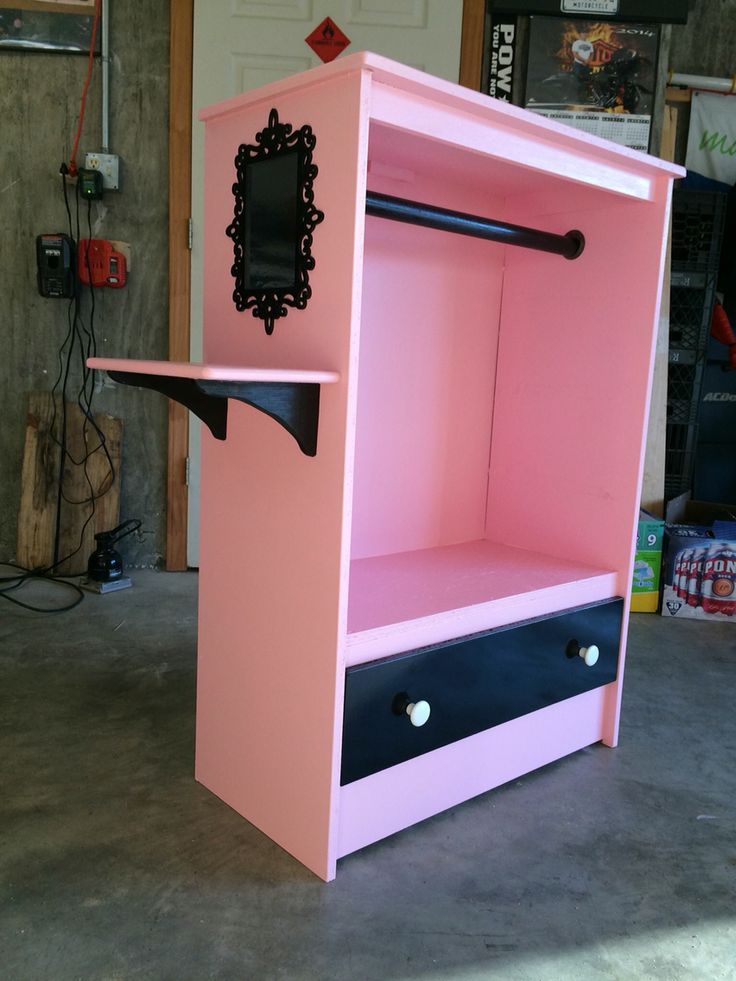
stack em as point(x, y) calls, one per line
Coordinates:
point(717, 141)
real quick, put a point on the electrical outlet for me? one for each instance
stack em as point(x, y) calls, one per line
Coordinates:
point(108, 165)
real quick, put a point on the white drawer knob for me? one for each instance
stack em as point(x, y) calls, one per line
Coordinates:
point(589, 654)
point(418, 712)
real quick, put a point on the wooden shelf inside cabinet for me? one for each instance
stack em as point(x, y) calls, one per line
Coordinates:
point(410, 599)
point(289, 396)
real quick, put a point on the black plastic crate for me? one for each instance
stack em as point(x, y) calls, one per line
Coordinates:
point(697, 230)
point(684, 383)
point(697, 234)
point(681, 446)
point(715, 472)
point(717, 415)
point(693, 280)
point(690, 315)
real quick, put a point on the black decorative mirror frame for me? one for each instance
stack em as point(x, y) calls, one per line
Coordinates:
point(273, 221)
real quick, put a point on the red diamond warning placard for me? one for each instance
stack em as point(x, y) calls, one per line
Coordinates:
point(327, 40)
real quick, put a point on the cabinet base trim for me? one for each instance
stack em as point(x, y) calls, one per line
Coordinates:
point(391, 800)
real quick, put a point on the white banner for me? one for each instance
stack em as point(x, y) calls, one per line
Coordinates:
point(711, 141)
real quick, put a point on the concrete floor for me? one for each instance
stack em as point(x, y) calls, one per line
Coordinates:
point(115, 864)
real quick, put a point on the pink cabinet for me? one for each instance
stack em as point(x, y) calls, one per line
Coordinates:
point(429, 605)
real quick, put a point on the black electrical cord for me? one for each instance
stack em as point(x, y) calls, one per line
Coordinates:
point(78, 335)
point(86, 341)
point(27, 575)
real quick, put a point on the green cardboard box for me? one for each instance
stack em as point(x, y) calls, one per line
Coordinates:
point(647, 564)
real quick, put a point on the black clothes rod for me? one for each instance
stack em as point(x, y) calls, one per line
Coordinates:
point(569, 245)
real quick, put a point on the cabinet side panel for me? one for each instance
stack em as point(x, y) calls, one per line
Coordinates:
point(575, 355)
point(272, 602)
point(576, 351)
point(305, 338)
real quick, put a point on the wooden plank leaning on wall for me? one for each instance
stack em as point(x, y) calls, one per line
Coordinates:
point(180, 179)
point(90, 502)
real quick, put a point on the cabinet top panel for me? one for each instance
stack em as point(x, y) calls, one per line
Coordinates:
point(482, 108)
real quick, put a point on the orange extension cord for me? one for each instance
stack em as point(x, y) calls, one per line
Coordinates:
point(90, 65)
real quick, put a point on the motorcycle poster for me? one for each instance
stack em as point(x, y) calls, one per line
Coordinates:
point(598, 76)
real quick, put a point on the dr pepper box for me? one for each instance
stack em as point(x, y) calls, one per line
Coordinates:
point(699, 571)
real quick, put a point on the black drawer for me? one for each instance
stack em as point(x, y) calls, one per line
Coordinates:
point(472, 684)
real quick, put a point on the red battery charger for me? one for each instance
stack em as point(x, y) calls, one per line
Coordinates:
point(100, 264)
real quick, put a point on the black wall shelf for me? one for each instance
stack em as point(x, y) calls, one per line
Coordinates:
point(290, 397)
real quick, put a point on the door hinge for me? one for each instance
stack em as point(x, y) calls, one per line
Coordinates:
point(190, 233)
point(187, 470)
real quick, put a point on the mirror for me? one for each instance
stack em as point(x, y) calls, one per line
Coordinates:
point(270, 227)
point(273, 221)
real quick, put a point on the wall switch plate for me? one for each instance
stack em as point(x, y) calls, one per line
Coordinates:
point(109, 166)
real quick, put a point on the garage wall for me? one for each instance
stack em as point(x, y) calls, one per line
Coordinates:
point(39, 100)
point(39, 103)
point(705, 45)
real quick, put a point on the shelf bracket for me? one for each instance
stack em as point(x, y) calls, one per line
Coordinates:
point(294, 405)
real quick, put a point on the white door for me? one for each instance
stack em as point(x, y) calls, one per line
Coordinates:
point(241, 44)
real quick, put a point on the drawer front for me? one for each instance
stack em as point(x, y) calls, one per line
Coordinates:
point(472, 684)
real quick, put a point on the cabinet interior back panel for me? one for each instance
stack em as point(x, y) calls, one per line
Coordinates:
point(574, 359)
point(428, 338)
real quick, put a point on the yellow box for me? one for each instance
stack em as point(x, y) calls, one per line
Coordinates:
point(644, 602)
